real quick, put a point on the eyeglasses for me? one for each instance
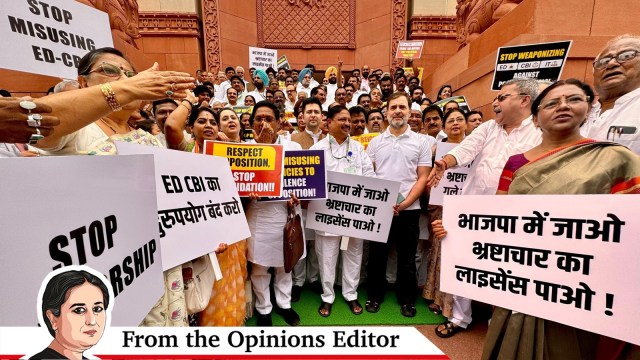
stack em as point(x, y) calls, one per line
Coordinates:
point(112, 70)
point(621, 57)
point(456, 120)
point(571, 100)
point(503, 97)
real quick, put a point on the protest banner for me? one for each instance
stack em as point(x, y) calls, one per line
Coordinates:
point(571, 259)
point(291, 118)
point(461, 100)
point(543, 61)
point(356, 206)
point(261, 58)
point(98, 211)
point(452, 181)
point(305, 175)
point(239, 110)
point(364, 139)
point(410, 49)
point(196, 198)
point(50, 38)
point(283, 63)
point(408, 72)
point(256, 168)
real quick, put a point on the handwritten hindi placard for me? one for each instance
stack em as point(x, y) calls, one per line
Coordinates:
point(356, 206)
point(572, 259)
point(197, 198)
point(256, 168)
point(305, 175)
point(261, 58)
point(452, 181)
point(98, 211)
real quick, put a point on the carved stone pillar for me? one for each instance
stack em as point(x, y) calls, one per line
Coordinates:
point(211, 31)
point(399, 10)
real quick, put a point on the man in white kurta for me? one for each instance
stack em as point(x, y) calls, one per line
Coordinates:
point(266, 222)
point(341, 155)
point(488, 148)
point(616, 76)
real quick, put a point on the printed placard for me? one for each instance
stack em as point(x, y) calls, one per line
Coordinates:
point(196, 198)
point(305, 175)
point(283, 63)
point(461, 100)
point(50, 38)
point(558, 257)
point(356, 206)
point(98, 211)
point(410, 49)
point(239, 110)
point(364, 139)
point(543, 61)
point(261, 58)
point(256, 168)
point(452, 181)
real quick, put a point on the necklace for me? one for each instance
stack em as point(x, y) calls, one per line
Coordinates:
point(347, 156)
point(110, 127)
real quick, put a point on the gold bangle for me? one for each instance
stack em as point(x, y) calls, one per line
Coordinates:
point(110, 96)
point(188, 109)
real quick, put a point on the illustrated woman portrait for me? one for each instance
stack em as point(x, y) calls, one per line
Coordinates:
point(74, 310)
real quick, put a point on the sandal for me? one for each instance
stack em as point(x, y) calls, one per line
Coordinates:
point(448, 331)
point(355, 307)
point(325, 309)
point(435, 309)
point(408, 310)
point(372, 306)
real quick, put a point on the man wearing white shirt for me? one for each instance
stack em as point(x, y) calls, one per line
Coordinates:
point(291, 98)
point(341, 155)
point(401, 155)
point(334, 76)
point(489, 147)
point(304, 81)
point(229, 72)
point(432, 122)
point(260, 79)
point(365, 78)
point(311, 110)
point(616, 73)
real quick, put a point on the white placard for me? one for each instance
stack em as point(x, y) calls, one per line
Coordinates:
point(453, 179)
point(261, 58)
point(572, 259)
point(97, 211)
point(198, 204)
point(50, 37)
point(356, 206)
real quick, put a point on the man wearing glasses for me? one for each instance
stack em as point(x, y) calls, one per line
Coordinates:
point(488, 148)
point(616, 73)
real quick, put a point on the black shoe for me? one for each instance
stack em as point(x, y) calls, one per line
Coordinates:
point(408, 310)
point(296, 291)
point(316, 287)
point(290, 316)
point(264, 320)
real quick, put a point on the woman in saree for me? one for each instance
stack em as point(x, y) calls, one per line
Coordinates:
point(455, 125)
point(563, 163)
point(90, 130)
point(230, 303)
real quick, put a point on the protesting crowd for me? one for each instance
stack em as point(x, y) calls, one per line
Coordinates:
point(563, 137)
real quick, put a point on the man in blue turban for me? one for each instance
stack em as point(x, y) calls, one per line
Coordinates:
point(260, 78)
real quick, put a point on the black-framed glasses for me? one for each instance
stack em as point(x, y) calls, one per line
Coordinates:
point(112, 70)
point(571, 100)
point(621, 57)
point(503, 97)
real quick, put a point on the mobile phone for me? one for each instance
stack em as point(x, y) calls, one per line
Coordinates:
point(247, 134)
